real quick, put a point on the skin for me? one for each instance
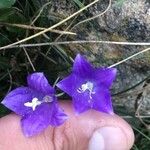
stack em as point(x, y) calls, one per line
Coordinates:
point(74, 134)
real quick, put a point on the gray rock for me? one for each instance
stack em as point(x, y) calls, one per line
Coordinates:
point(126, 20)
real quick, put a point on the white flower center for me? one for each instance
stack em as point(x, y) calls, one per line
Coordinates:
point(35, 102)
point(87, 86)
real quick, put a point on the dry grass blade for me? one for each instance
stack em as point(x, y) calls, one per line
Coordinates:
point(40, 12)
point(80, 42)
point(96, 16)
point(130, 57)
point(50, 28)
point(36, 28)
point(28, 57)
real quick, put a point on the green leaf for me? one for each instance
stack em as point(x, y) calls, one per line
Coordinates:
point(6, 3)
point(11, 15)
point(80, 4)
point(5, 13)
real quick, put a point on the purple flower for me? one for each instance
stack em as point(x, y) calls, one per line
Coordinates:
point(36, 104)
point(89, 87)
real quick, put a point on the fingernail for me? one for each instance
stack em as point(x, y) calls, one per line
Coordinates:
point(108, 138)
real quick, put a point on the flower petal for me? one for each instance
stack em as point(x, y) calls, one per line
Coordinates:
point(46, 114)
point(59, 117)
point(38, 82)
point(15, 100)
point(80, 102)
point(102, 101)
point(105, 76)
point(82, 68)
point(89, 87)
point(70, 84)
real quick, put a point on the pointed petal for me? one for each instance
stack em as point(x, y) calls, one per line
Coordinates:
point(37, 120)
point(59, 117)
point(40, 119)
point(15, 100)
point(105, 76)
point(80, 102)
point(70, 84)
point(81, 67)
point(102, 101)
point(38, 82)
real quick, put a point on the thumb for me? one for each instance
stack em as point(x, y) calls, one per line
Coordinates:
point(89, 131)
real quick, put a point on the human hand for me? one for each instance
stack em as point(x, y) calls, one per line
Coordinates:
point(89, 131)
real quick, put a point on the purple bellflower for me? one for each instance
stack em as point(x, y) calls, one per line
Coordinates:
point(36, 104)
point(89, 87)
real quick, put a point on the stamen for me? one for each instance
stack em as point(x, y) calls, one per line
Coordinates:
point(35, 102)
point(47, 99)
point(87, 86)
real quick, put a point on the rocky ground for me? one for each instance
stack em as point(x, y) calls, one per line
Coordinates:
point(126, 20)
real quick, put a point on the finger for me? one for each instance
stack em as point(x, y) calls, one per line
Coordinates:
point(91, 130)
